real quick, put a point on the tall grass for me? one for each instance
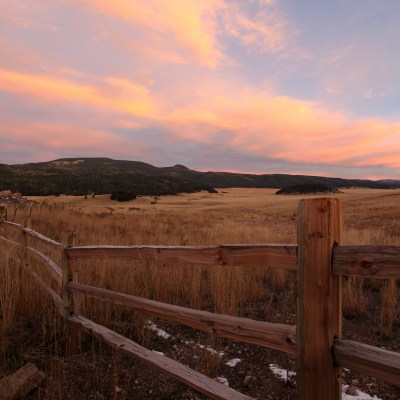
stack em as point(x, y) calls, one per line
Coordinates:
point(222, 289)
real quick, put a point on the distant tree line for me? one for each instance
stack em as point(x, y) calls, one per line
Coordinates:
point(38, 183)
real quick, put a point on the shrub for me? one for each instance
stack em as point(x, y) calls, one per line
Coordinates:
point(120, 195)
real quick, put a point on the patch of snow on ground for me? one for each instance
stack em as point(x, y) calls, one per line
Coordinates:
point(232, 363)
point(285, 374)
point(215, 352)
point(159, 332)
point(222, 380)
point(360, 395)
point(281, 373)
point(201, 346)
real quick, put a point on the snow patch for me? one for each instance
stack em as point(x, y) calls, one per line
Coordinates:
point(215, 352)
point(281, 373)
point(232, 363)
point(222, 380)
point(360, 395)
point(158, 352)
point(201, 346)
point(285, 374)
point(159, 332)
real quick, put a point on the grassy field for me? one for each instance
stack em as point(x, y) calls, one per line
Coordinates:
point(228, 217)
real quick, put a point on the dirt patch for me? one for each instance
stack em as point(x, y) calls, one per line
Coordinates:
point(100, 372)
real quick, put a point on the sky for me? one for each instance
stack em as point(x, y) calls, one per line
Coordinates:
point(257, 86)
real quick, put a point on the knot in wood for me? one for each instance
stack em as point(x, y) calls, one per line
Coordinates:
point(316, 234)
point(367, 263)
point(291, 340)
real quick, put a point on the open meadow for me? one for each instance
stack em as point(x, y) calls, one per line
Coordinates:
point(30, 330)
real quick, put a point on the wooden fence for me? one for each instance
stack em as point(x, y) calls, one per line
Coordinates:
point(320, 262)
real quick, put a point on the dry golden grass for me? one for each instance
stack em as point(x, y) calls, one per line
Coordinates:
point(231, 216)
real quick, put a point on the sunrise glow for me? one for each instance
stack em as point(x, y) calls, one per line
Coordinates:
point(247, 86)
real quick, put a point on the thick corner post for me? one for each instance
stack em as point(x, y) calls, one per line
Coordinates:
point(73, 335)
point(319, 305)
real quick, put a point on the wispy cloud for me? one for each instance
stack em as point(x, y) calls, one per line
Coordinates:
point(372, 94)
point(191, 31)
point(20, 13)
point(110, 92)
point(42, 140)
point(260, 123)
point(289, 129)
point(265, 30)
point(262, 82)
point(184, 28)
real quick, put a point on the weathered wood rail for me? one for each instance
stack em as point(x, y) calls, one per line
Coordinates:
point(316, 341)
point(275, 336)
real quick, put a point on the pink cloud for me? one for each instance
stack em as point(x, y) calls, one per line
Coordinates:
point(192, 31)
point(23, 15)
point(117, 94)
point(44, 140)
point(288, 129)
point(190, 24)
point(14, 55)
point(257, 122)
point(265, 30)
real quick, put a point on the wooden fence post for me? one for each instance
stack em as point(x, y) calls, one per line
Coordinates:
point(72, 333)
point(15, 211)
point(27, 223)
point(3, 212)
point(319, 305)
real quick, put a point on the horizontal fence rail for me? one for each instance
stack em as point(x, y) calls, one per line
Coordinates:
point(369, 261)
point(10, 242)
point(369, 360)
point(171, 367)
point(274, 336)
point(320, 261)
point(273, 255)
point(52, 267)
point(35, 235)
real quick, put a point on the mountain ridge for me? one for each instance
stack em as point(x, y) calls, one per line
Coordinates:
point(81, 175)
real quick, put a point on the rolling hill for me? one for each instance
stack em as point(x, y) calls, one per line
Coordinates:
point(80, 176)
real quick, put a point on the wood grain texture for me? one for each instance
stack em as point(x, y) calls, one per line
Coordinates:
point(273, 255)
point(371, 261)
point(319, 300)
point(170, 367)
point(274, 336)
point(369, 360)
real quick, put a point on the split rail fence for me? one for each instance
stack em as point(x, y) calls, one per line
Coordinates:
point(316, 341)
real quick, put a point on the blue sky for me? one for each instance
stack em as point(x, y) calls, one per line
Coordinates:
point(259, 86)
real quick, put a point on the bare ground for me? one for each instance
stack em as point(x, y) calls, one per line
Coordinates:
point(100, 372)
